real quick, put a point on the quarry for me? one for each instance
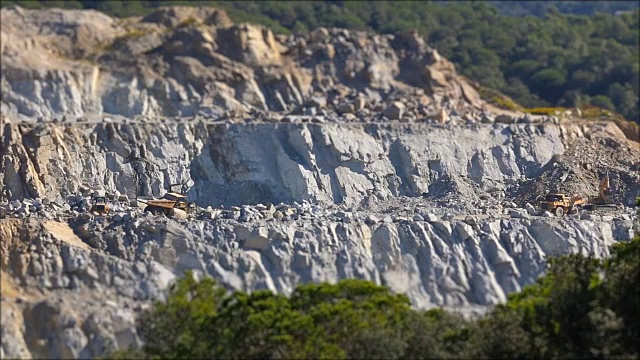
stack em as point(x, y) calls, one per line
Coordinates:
point(304, 158)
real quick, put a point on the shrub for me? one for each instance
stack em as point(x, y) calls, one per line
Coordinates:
point(546, 111)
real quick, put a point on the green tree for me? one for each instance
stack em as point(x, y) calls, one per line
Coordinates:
point(621, 293)
point(174, 329)
point(602, 101)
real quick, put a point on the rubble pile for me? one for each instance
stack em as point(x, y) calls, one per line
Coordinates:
point(585, 162)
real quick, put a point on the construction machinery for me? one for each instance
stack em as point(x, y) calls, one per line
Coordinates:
point(561, 204)
point(603, 200)
point(170, 204)
point(99, 203)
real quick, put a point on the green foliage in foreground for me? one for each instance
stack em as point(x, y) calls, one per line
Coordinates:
point(582, 308)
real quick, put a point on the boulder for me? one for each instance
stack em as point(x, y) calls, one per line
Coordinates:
point(504, 119)
point(531, 209)
point(371, 219)
point(442, 116)
point(344, 216)
point(471, 220)
point(16, 204)
point(590, 217)
point(318, 102)
point(359, 103)
point(256, 239)
point(345, 108)
point(486, 119)
point(432, 218)
point(625, 217)
point(178, 214)
point(395, 110)
point(518, 214)
point(329, 51)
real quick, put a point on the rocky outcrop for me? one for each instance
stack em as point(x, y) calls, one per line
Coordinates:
point(261, 163)
point(112, 267)
point(184, 61)
point(283, 163)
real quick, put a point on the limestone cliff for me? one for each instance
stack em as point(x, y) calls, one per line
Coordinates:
point(185, 61)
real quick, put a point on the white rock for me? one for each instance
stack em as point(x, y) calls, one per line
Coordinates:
point(590, 217)
point(178, 214)
point(372, 219)
point(518, 214)
point(431, 218)
point(531, 209)
point(395, 110)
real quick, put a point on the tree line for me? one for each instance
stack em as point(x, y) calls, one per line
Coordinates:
point(574, 54)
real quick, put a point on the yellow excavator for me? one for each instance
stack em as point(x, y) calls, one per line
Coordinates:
point(603, 200)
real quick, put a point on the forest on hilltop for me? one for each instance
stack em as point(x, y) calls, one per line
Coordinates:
point(540, 8)
point(541, 54)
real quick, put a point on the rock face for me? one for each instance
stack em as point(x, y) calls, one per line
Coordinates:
point(184, 61)
point(111, 270)
point(261, 163)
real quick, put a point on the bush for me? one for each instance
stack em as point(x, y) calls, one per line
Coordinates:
point(602, 101)
point(546, 111)
point(498, 99)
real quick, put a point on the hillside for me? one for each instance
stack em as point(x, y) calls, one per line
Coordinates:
point(559, 58)
point(306, 158)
